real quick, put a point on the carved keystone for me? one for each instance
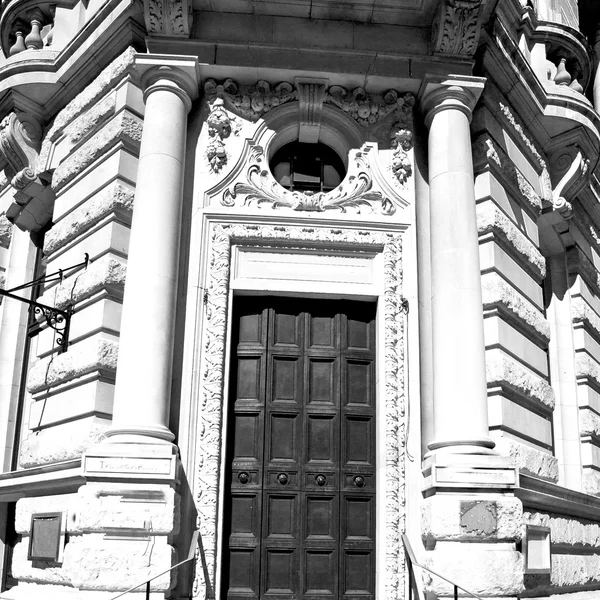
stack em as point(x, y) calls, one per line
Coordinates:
point(311, 95)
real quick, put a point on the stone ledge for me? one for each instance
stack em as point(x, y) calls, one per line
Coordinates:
point(115, 198)
point(582, 312)
point(589, 422)
point(125, 128)
point(94, 354)
point(529, 460)
point(61, 442)
point(587, 368)
point(591, 482)
point(566, 530)
point(91, 120)
point(104, 274)
point(490, 219)
point(498, 292)
point(503, 370)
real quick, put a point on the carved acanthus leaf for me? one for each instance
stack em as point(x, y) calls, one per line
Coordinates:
point(456, 27)
point(354, 193)
point(169, 18)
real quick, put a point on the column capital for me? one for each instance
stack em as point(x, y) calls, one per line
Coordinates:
point(178, 74)
point(449, 92)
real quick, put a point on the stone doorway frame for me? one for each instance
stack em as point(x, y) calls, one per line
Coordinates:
point(209, 394)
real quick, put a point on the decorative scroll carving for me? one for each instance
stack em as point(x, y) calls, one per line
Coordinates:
point(354, 193)
point(20, 143)
point(572, 181)
point(250, 102)
point(456, 27)
point(169, 18)
point(210, 425)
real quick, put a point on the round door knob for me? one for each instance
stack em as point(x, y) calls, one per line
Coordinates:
point(359, 481)
point(321, 479)
point(243, 477)
point(282, 478)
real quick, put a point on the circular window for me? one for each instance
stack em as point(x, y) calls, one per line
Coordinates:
point(307, 167)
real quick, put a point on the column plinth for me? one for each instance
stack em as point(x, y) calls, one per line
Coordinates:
point(144, 371)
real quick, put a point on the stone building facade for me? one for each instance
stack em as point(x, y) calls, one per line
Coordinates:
point(313, 279)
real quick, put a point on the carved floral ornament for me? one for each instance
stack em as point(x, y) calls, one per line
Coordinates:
point(168, 18)
point(356, 193)
point(252, 102)
point(456, 27)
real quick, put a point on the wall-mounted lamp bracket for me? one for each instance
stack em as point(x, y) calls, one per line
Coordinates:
point(57, 319)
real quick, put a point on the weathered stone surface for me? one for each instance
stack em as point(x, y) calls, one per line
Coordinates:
point(91, 120)
point(498, 292)
point(117, 70)
point(501, 369)
point(124, 127)
point(61, 442)
point(573, 570)
point(104, 274)
point(587, 367)
point(114, 198)
point(95, 563)
point(589, 422)
point(566, 530)
point(443, 518)
point(591, 482)
point(583, 313)
point(579, 264)
point(95, 354)
point(91, 562)
point(490, 219)
point(483, 569)
point(26, 507)
point(5, 231)
point(110, 506)
point(528, 459)
point(2, 281)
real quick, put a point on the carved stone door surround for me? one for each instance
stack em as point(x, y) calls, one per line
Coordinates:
point(210, 419)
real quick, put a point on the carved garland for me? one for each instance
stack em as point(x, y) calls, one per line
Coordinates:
point(213, 368)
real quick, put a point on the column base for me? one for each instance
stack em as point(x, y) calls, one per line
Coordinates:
point(158, 434)
point(446, 471)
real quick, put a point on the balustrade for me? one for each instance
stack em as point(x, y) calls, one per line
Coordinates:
point(33, 30)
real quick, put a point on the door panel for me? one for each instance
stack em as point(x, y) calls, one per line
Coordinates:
point(300, 509)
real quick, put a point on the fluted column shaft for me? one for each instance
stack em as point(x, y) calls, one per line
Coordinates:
point(459, 377)
point(143, 385)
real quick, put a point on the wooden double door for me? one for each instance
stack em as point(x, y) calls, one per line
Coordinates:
point(300, 484)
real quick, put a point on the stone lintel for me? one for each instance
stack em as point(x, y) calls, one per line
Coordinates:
point(132, 462)
point(468, 472)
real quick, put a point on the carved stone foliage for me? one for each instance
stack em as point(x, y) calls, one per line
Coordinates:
point(220, 126)
point(20, 142)
point(211, 401)
point(169, 18)
point(356, 193)
point(456, 27)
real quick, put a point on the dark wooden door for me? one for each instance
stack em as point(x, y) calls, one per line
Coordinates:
point(300, 511)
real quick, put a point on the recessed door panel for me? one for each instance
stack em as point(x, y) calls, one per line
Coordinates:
point(301, 452)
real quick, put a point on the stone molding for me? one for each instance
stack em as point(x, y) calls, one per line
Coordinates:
point(486, 153)
point(587, 370)
point(358, 191)
point(504, 371)
point(211, 401)
point(168, 18)
point(490, 219)
point(497, 292)
point(578, 263)
point(456, 28)
point(528, 459)
point(582, 312)
point(311, 95)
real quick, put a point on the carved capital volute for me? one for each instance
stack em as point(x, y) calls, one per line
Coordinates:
point(177, 74)
point(456, 28)
point(451, 93)
point(20, 141)
point(168, 18)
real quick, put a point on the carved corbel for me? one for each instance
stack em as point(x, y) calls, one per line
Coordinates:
point(456, 28)
point(311, 95)
point(168, 18)
point(573, 180)
point(20, 143)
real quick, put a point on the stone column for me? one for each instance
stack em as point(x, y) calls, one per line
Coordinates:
point(143, 385)
point(459, 377)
